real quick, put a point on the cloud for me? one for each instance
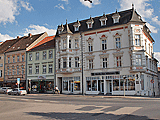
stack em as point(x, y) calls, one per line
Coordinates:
point(5, 37)
point(157, 56)
point(90, 5)
point(60, 6)
point(11, 8)
point(36, 29)
point(26, 5)
point(64, 1)
point(144, 9)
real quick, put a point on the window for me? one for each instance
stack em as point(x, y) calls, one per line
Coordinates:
point(18, 58)
point(76, 28)
point(64, 44)
point(17, 70)
point(59, 43)
point(70, 43)
point(65, 85)
point(1, 65)
point(44, 68)
point(37, 55)
point(118, 61)
point(76, 43)
point(104, 62)
point(22, 69)
point(90, 64)
point(90, 47)
point(91, 85)
point(30, 56)
point(13, 59)
point(104, 44)
point(118, 42)
point(37, 69)
point(70, 62)
point(89, 25)
point(59, 31)
point(8, 59)
point(50, 68)
point(137, 40)
point(22, 58)
point(59, 63)
point(13, 70)
point(115, 85)
point(0, 73)
point(44, 55)
point(76, 62)
point(138, 60)
point(103, 22)
point(7, 70)
point(64, 62)
point(50, 54)
point(30, 69)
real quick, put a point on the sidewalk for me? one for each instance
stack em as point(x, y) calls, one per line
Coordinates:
point(95, 96)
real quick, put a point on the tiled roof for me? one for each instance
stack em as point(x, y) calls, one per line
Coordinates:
point(8, 44)
point(46, 45)
point(46, 39)
point(24, 42)
point(125, 16)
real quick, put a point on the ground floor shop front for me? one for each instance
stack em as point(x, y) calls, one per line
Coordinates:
point(13, 84)
point(113, 84)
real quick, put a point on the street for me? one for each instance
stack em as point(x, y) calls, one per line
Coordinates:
point(77, 107)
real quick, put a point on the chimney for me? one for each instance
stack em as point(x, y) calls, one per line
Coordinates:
point(29, 35)
point(17, 37)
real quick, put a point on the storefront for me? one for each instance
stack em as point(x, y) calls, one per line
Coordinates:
point(110, 85)
point(71, 85)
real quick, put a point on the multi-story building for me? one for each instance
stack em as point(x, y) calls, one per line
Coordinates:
point(108, 54)
point(15, 59)
point(3, 47)
point(40, 66)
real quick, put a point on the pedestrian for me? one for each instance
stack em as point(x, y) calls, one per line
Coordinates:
point(56, 89)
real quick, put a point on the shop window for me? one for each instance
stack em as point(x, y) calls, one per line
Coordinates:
point(94, 85)
point(88, 85)
point(122, 85)
point(65, 85)
point(77, 85)
point(131, 85)
point(115, 85)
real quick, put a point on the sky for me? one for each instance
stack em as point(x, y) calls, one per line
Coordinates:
point(20, 17)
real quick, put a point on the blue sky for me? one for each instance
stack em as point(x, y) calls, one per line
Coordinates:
point(20, 17)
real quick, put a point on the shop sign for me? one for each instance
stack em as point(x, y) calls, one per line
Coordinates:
point(105, 73)
point(42, 77)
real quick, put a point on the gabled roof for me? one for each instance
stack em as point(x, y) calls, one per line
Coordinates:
point(24, 42)
point(50, 44)
point(8, 44)
point(125, 17)
point(46, 39)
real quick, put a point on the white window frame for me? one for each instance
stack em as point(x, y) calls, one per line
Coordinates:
point(44, 55)
point(50, 68)
point(138, 60)
point(118, 61)
point(104, 44)
point(76, 43)
point(137, 40)
point(90, 63)
point(118, 42)
point(37, 69)
point(104, 62)
point(90, 46)
point(76, 62)
point(64, 62)
point(64, 44)
point(37, 55)
point(30, 56)
point(44, 69)
point(50, 54)
point(30, 69)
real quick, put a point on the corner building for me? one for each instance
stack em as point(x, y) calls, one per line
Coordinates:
point(105, 55)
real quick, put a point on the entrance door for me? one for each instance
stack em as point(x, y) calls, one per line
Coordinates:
point(110, 86)
point(71, 86)
point(102, 87)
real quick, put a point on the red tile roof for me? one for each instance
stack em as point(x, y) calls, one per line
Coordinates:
point(46, 39)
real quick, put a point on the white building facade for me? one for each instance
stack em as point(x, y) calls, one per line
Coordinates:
point(109, 54)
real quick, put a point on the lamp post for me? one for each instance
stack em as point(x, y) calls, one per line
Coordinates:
point(124, 77)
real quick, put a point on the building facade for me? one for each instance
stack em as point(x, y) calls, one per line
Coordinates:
point(109, 54)
point(40, 66)
point(15, 59)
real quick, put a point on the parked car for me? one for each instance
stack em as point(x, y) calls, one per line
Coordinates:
point(5, 90)
point(17, 91)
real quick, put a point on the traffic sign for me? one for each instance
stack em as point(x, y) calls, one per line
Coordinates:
point(152, 81)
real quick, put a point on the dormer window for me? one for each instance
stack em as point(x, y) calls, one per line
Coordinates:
point(60, 28)
point(116, 17)
point(77, 25)
point(103, 20)
point(59, 31)
point(90, 23)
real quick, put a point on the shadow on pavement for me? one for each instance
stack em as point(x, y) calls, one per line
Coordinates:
point(86, 116)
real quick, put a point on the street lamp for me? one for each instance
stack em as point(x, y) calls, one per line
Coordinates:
point(124, 78)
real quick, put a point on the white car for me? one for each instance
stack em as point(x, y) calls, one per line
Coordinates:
point(15, 91)
point(5, 90)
